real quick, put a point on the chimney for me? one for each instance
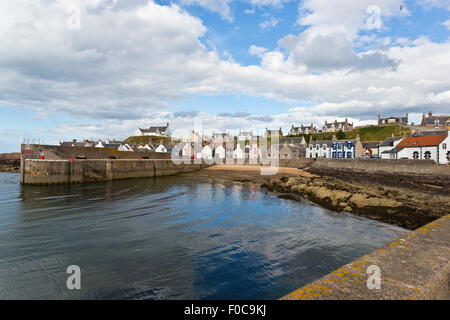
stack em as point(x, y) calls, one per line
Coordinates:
point(430, 114)
point(74, 140)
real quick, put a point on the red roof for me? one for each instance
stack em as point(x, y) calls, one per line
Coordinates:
point(421, 141)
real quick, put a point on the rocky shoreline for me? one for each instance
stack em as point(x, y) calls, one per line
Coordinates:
point(407, 207)
point(10, 162)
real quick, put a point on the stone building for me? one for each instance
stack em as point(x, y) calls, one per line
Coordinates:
point(435, 122)
point(162, 131)
point(336, 126)
point(289, 151)
point(302, 130)
point(392, 120)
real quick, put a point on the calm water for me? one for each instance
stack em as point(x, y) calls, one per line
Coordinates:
point(170, 238)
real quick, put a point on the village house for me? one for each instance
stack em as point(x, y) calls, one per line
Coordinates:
point(268, 133)
point(255, 152)
point(162, 149)
point(220, 137)
point(302, 130)
point(335, 149)
point(386, 148)
point(370, 148)
point(239, 152)
point(392, 120)
point(336, 126)
point(245, 135)
point(161, 131)
point(435, 122)
point(426, 147)
point(289, 151)
point(75, 143)
point(219, 152)
point(207, 152)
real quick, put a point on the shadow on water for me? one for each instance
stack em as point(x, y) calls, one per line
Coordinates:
point(170, 238)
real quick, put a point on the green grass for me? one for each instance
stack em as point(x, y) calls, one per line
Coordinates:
point(147, 139)
point(372, 133)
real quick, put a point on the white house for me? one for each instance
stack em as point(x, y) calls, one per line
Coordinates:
point(429, 147)
point(187, 151)
point(125, 147)
point(335, 149)
point(220, 152)
point(386, 148)
point(161, 149)
point(238, 153)
point(207, 152)
point(319, 149)
point(255, 152)
point(161, 131)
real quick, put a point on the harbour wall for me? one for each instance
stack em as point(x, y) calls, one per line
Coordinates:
point(46, 172)
point(35, 151)
point(413, 267)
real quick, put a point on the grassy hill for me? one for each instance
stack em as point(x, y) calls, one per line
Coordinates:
point(148, 139)
point(369, 133)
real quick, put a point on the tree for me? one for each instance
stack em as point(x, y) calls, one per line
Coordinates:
point(340, 135)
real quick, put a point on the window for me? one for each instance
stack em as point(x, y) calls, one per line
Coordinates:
point(317, 147)
point(392, 156)
point(427, 155)
point(334, 154)
point(349, 155)
point(444, 146)
point(448, 156)
point(324, 146)
point(436, 123)
point(416, 155)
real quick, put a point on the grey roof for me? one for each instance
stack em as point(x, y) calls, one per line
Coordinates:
point(329, 143)
point(442, 119)
point(389, 142)
point(168, 147)
point(393, 150)
point(112, 145)
point(428, 133)
point(371, 144)
point(298, 149)
point(154, 129)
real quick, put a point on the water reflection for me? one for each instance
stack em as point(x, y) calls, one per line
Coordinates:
point(170, 238)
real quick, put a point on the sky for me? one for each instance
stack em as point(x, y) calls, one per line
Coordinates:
point(97, 69)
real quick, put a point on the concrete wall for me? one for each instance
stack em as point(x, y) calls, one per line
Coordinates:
point(425, 167)
point(43, 172)
point(415, 266)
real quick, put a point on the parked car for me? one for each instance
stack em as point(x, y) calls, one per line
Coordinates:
point(375, 156)
point(365, 157)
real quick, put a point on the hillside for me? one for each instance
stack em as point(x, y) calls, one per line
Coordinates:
point(138, 140)
point(369, 133)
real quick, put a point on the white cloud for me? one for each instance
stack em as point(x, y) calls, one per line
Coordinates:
point(222, 7)
point(269, 23)
point(126, 66)
point(447, 24)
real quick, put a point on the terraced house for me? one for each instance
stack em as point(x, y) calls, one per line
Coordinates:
point(335, 149)
point(427, 147)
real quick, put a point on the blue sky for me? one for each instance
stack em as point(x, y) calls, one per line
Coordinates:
point(228, 65)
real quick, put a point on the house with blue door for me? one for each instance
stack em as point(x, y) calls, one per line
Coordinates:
point(335, 149)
